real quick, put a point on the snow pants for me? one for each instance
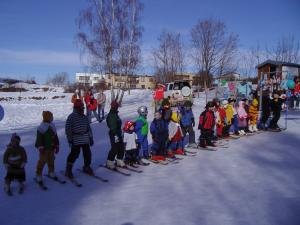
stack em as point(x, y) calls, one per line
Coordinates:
point(158, 147)
point(143, 147)
point(74, 154)
point(235, 125)
point(175, 145)
point(206, 137)
point(130, 156)
point(191, 132)
point(274, 120)
point(46, 157)
point(117, 148)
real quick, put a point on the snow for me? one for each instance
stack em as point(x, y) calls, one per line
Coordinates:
point(255, 181)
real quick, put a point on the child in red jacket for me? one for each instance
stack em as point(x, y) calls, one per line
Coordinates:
point(91, 105)
point(206, 125)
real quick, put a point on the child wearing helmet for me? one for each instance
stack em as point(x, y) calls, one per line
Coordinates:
point(142, 129)
point(130, 143)
point(159, 132)
point(14, 160)
point(175, 136)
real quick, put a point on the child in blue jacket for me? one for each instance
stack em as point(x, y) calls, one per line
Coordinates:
point(159, 132)
point(187, 123)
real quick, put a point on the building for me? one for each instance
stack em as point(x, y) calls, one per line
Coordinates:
point(116, 80)
point(89, 78)
point(277, 70)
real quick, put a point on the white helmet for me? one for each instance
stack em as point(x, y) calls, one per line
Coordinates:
point(142, 111)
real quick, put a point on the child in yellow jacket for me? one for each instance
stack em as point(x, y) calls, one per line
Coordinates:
point(253, 114)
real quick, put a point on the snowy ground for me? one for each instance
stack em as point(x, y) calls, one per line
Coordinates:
point(255, 181)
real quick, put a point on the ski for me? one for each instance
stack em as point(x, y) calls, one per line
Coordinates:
point(56, 179)
point(209, 148)
point(117, 170)
point(72, 180)
point(161, 162)
point(192, 152)
point(94, 176)
point(172, 160)
point(131, 169)
point(41, 184)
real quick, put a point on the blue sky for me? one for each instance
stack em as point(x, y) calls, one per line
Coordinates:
point(37, 37)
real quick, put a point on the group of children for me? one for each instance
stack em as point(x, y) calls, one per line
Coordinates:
point(170, 126)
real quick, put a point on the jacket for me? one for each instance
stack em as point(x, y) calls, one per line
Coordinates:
point(15, 157)
point(173, 129)
point(101, 99)
point(78, 130)
point(159, 130)
point(141, 127)
point(46, 137)
point(114, 123)
point(206, 120)
point(187, 118)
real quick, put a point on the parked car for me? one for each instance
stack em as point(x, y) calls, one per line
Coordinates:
point(178, 91)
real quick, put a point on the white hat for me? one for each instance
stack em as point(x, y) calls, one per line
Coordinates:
point(224, 102)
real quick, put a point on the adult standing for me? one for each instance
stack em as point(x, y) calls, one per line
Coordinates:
point(158, 96)
point(79, 135)
point(101, 100)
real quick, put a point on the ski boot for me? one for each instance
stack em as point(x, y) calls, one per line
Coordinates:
point(21, 188)
point(120, 163)
point(7, 189)
point(110, 164)
point(88, 170)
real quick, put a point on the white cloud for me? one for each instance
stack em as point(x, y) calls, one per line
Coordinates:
point(39, 57)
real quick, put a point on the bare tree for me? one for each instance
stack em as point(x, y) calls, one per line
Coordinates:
point(110, 32)
point(247, 63)
point(287, 49)
point(213, 47)
point(168, 57)
point(59, 79)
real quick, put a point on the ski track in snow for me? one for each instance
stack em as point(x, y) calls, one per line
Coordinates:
point(255, 181)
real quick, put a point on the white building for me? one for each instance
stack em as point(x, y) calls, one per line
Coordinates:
point(89, 78)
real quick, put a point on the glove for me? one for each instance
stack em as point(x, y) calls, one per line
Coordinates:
point(41, 150)
point(22, 165)
point(117, 139)
point(91, 142)
point(56, 149)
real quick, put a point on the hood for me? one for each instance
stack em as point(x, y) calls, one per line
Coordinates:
point(45, 126)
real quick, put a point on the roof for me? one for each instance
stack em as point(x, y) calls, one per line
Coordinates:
point(278, 63)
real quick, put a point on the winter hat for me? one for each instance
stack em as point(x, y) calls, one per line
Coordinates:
point(78, 104)
point(165, 102)
point(231, 100)
point(175, 117)
point(224, 102)
point(209, 105)
point(47, 116)
point(128, 125)
point(114, 105)
point(255, 102)
point(15, 138)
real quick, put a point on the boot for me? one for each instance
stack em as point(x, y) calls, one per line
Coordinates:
point(179, 152)
point(52, 175)
point(39, 178)
point(120, 163)
point(68, 172)
point(251, 128)
point(255, 128)
point(88, 170)
point(110, 164)
point(7, 188)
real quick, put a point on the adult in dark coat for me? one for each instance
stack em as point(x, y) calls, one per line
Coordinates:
point(79, 136)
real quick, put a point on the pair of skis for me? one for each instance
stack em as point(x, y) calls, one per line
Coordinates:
point(122, 170)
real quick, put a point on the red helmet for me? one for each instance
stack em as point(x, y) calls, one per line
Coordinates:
point(128, 125)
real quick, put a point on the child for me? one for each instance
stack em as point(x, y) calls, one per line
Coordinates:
point(242, 118)
point(232, 116)
point(175, 136)
point(142, 129)
point(91, 109)
point(14, 160)
point(276, 104)
point(48, 145)
point(221, 120)
point(76, 95)
point(159, 132)
point(130, 143)
point(253, 115)
point(246, 106)
point(206, 125)
point(187, 123)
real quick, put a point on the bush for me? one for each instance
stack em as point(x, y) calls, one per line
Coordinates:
point(13, 89)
